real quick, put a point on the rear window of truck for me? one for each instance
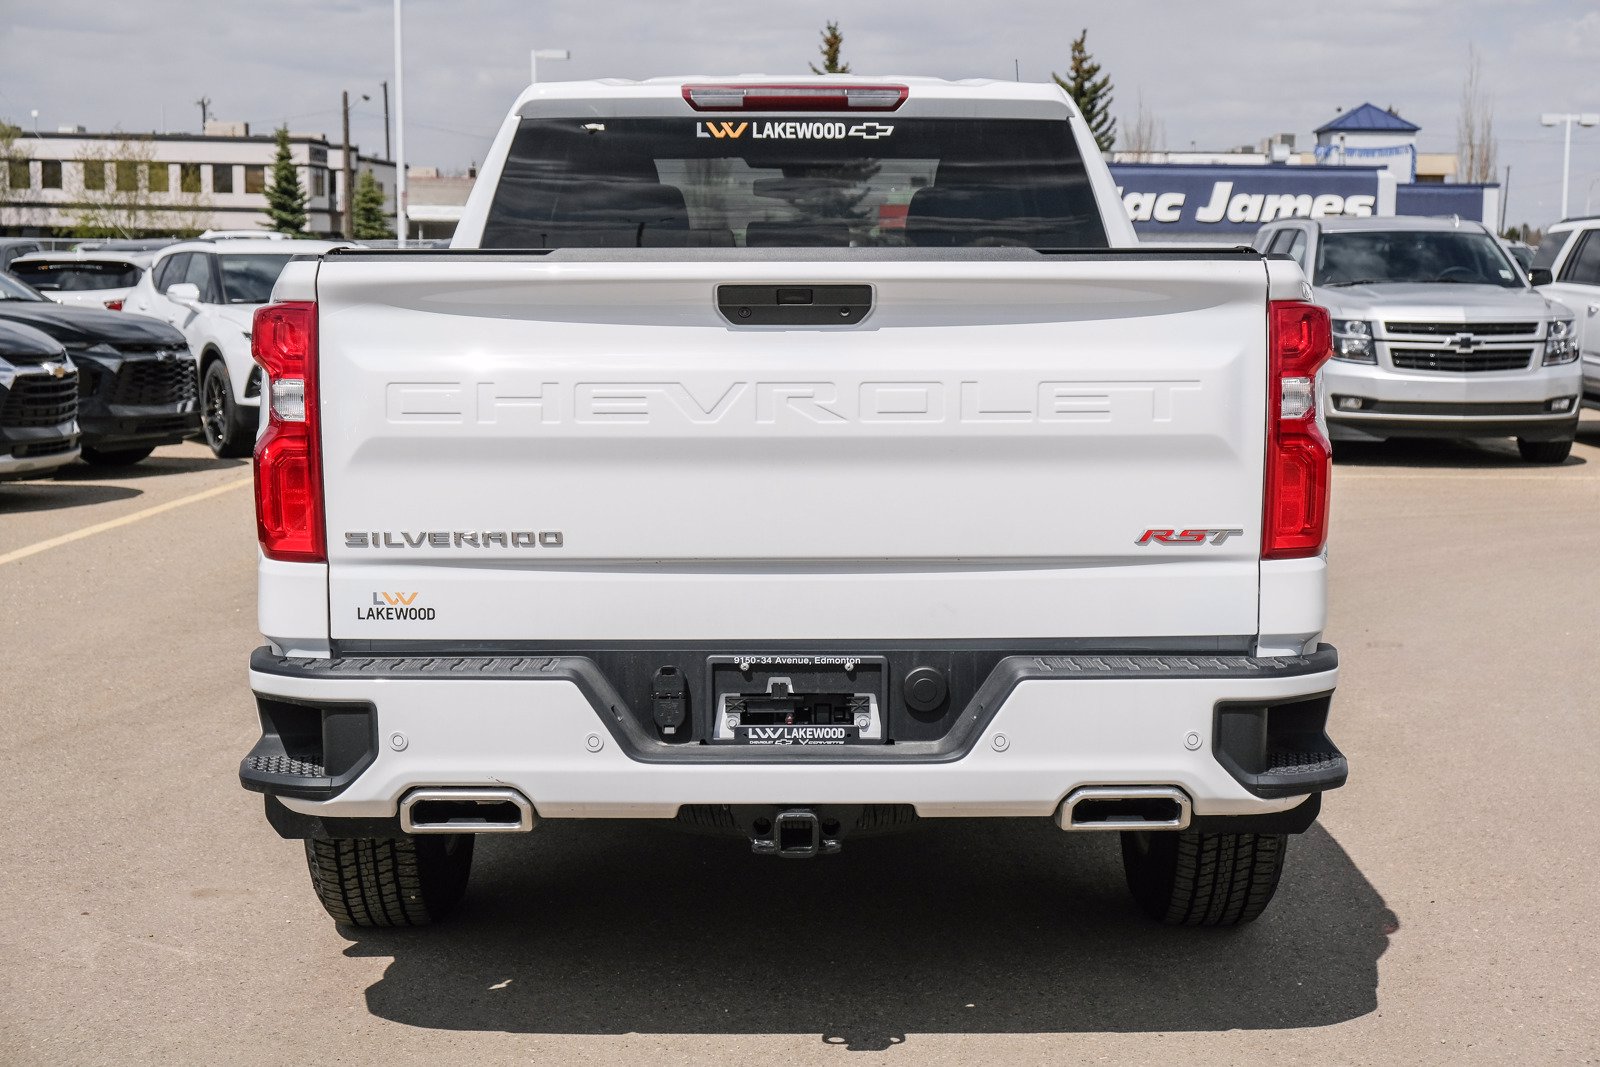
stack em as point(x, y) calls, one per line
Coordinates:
point(752, 181)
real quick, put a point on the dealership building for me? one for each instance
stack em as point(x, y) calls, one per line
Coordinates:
point(154, 184)
point(1364, 162)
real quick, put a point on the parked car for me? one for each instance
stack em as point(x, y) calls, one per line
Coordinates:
point(1567, 268)
point(12, 247)
point(136, 377)
point(1519, 252)
point(38, 403)
point(209, 291)
point(1437, 333)
point(731, 507)
point(83, 279)
point(244, 235)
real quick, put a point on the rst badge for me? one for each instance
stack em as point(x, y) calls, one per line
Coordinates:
point(1186, 537)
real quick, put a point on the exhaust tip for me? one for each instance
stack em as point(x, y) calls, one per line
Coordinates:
point(466, 811)
point(1125, 807)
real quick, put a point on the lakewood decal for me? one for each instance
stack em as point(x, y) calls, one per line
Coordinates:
point(394, 607)
point(775, 130)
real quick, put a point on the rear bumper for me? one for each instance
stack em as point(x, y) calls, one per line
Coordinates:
point(1232, 732)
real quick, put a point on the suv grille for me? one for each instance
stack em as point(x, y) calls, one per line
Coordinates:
point(149, 381)
point(37, 401)
point(1443, 359)
point(1450, 329)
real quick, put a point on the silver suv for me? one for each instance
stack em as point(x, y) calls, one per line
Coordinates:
point(1437, 333)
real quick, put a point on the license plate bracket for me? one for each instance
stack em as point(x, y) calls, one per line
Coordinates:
point(800, 701)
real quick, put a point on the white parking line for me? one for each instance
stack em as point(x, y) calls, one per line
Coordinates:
point(112, 524)
point(1485, 477)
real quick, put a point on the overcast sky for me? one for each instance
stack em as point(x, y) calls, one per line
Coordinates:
point(1216, 74)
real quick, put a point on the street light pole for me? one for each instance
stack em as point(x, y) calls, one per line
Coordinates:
point(544, 53)
point(1587, 118)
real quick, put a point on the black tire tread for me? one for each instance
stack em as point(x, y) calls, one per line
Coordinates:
point(240, 437)
point(1195, 879)
point(380, 882)
point(1544, 451)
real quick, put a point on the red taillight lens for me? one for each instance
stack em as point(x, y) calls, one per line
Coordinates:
point(114, 305)
point(817, 97)
point(1299, 461)
point(283, 340)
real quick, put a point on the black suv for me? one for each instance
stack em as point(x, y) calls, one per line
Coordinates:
point(137, 384)
point(38, 403)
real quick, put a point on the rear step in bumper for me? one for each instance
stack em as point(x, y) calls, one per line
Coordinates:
point(1042, 729)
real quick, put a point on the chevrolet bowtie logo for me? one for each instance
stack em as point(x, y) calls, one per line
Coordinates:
point(1465, 343)
point(871, 131)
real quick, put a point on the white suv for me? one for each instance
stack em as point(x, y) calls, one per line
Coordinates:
point(210, 291)
point(1567, 268)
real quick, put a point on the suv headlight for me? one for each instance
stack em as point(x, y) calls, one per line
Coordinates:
point(1560, 342)
point(1352, 341)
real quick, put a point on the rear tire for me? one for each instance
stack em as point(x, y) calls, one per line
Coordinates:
point(115, 457)
point(226, 430)
point(1544, 451)
point(405, 881)
point(1195, 879)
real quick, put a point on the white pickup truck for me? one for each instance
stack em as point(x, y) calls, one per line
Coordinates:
point(792, 458)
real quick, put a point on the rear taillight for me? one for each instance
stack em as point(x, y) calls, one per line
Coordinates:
point(114, 305)
point(288, 464)
point(1298, 457)
point(817, 97)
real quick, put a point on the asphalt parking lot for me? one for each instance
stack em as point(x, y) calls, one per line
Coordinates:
point(1444, 911)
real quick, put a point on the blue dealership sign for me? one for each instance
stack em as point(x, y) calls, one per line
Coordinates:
point(1167, 198)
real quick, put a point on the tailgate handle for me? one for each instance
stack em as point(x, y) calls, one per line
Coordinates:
point(794, 305)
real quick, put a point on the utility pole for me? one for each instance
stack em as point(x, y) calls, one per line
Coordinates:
point(1505, 194)
point(205, 112)
point(346, 221)
point(386, 154)
point(400, 130)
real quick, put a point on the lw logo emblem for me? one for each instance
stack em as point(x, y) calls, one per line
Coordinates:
point(394, 599)
point(721, 130)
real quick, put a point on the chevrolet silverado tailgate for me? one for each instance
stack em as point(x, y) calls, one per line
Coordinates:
point(533, 448)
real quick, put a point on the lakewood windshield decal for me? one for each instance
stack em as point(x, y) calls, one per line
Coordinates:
point(726, 129)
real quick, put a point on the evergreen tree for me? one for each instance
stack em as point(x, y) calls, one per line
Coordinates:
point(1091, 91)
point(832, 40)
point(286, 197)
point(367, 210)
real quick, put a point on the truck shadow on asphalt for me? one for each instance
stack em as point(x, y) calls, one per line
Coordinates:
point(19, 497)
point(969, 926)
point(155, 466)
point(1446, 453)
